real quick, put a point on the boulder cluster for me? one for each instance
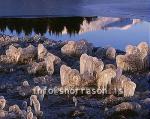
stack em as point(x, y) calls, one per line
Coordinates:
point(40, 60)
point(15, 112)
point(99, 69)
point(46, 63)
point(110, 81)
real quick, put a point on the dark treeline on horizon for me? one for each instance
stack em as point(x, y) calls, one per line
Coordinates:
point(41, 25)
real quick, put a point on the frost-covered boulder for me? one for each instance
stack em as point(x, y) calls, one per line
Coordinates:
point(128, 88)
point(69, 77)
point(90, 65)
point(111, 53)
point(20, 55)
point(51, 60)
point(143, 47)
point(2, 102)
point(130, 49)
point(104, 79)
point(36, 104)
point(42, 52)
point(123, 85)
point(12, 54)
point(27, 54)
point(76, 48)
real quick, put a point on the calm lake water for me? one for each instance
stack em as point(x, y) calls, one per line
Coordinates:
point(101, 31)
point(123, 22)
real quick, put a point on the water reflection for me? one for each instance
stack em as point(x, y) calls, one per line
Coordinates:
point(101, 31)
point(64, 25)
point(42, 25)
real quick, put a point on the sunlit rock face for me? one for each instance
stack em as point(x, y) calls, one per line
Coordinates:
point(135, 59)
point(77, 48)
point(90, 65)
point(69, 77)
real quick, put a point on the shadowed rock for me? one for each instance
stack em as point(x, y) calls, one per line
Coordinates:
point(15, 112)
point(132, 106)
point(107, 66)
point(39, 92)
point(24, 90)
point(37, 68)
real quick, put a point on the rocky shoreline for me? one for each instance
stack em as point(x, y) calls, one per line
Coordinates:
point(31, 64)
